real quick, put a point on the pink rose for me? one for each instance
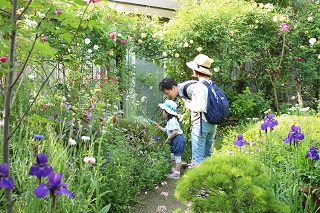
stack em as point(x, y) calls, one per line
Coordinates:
point(123, 41)
point(112, 35)
point(3, 59)
point(284, 27)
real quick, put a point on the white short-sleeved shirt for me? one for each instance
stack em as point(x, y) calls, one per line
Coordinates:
point(173, 124)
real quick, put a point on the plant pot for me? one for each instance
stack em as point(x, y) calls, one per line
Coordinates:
point(314, 193)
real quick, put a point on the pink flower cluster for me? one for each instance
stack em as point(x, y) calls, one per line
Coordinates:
point(284, 27)
point(3, 59)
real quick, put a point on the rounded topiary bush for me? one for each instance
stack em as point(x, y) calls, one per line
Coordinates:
point(225, 183)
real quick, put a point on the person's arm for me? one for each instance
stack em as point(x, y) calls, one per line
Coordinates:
point(172, 135)
point(199, 99)
point(160, 127)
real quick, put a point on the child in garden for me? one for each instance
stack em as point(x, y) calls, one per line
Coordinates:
point(175, 136)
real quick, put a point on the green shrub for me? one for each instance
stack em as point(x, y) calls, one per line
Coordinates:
point(225, 183)
point(248, 104)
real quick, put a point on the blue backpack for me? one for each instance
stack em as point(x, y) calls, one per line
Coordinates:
point(217, 106)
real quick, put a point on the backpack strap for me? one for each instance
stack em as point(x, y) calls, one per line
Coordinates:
point(185, 87)
point(207, 84)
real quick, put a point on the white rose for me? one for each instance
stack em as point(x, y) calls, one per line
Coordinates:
point(72, 142)
point(199, 49)
point(87, 41)
point(312, 41)
point(275, 19)
point(143, 35)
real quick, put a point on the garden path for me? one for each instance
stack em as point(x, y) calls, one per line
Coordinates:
point(149, 201)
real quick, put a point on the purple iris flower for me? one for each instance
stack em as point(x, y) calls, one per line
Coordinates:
point(41, 168)
point(294, 135)
point(156, 138)
point(38, 137)
point(6, 181)
point(313, 153)
point(240, 141)
point(269, 122)
point(55, 187)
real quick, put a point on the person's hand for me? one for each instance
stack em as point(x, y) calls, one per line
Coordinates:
point(156, 124)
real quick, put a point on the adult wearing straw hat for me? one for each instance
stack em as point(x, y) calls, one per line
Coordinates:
point(195, 97)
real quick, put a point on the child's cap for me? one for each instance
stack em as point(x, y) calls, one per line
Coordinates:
point(169, 106)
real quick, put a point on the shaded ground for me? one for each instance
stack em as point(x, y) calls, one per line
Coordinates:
point(149, 201)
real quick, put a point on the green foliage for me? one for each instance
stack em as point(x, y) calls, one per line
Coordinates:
point(287, 164)
point(225, 183)
point(248, 104)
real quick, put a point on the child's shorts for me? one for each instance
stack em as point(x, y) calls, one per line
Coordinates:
point(178, 144)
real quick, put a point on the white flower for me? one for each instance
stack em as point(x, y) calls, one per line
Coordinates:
point(266, 112)
point(216, 69)
point(154, 36)
point(143, 35)
point(199, 49)
point(140, 41)
point(164, 54)
point(143, 99)
point(89, 50)
point(261, 5)
point(72, 142)
point(312, 41)
point(319, 56)
point(87, 41)
point(176, 55)
point(96, 47)
point(85, 138)
point(282, 18)
point(257, 21)
point(41, 15)
point(89, 160)
point(310, 18)
point(31, 23)
point(293, 97)
point(31, 76)
point(305, 109)
point(191, 41)
point(275, 19)
point(186, 44)
point(268, 6)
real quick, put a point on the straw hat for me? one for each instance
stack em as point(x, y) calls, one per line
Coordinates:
point(201, 63)
point(169, 106)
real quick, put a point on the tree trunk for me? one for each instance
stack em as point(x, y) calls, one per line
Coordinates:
point(7, 103)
